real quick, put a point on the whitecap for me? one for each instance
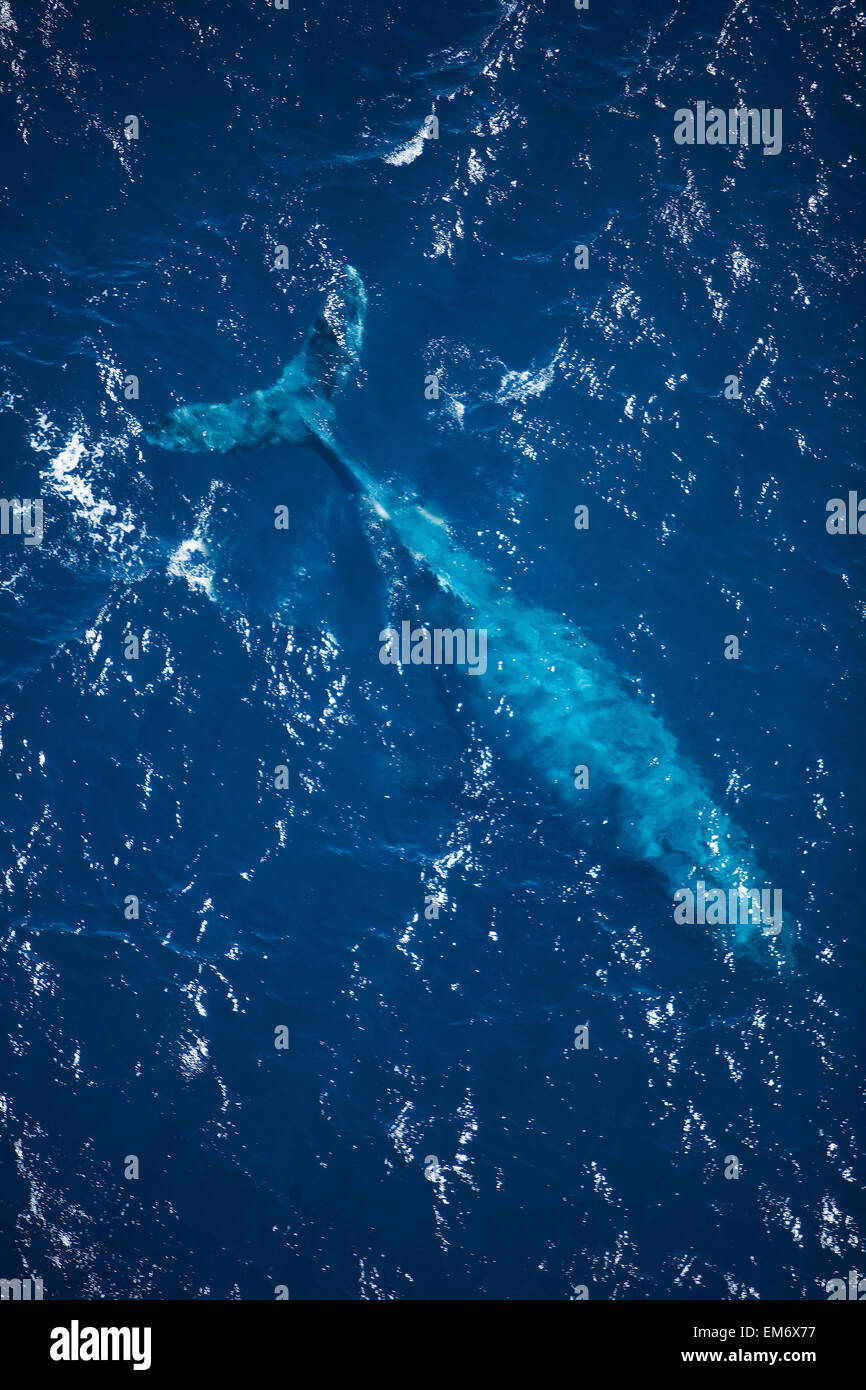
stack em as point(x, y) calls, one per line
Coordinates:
point(190, 561)
point(406, 154)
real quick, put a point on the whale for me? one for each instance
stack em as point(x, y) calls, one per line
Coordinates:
point(565, 702)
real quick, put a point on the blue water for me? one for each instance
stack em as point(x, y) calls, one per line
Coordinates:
point(452, 1036)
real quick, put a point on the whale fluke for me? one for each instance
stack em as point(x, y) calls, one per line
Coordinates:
point(296, 409)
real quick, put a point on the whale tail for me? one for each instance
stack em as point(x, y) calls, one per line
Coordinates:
point(297, 408)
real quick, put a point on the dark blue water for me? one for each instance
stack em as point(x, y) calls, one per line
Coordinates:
point(259, 907)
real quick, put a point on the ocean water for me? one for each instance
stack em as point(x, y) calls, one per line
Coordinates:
point(426, 908)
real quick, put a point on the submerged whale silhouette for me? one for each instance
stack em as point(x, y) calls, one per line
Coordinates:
point(567, 698)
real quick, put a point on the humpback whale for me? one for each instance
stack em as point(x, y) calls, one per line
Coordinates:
point(566, 698)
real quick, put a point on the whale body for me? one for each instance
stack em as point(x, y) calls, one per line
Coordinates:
point(568, 704)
